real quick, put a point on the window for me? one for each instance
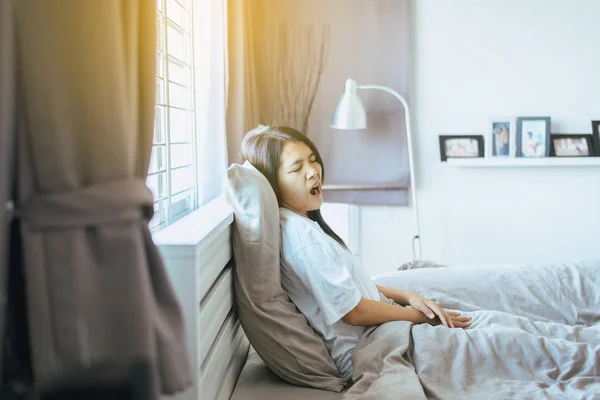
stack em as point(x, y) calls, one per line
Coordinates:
point(172, 176)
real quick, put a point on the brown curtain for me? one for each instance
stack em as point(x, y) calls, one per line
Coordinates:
point(7, 135)
point(97, 289)
point(270, 81)
point(242, 91)
point(288, 61)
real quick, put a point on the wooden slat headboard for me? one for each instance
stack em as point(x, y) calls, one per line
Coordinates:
point(202, 275)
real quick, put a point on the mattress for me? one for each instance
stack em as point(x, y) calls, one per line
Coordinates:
point(258, 382)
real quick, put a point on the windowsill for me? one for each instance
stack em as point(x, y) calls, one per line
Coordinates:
point(201, 226)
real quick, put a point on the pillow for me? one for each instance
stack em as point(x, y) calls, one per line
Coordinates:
point(279, 333)
point(416, 264)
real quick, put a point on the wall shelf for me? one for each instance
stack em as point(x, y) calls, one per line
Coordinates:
point(524, 162)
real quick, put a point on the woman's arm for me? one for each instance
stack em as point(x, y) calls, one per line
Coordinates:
point(371, 312)
point(428, 307)
point(399, 296)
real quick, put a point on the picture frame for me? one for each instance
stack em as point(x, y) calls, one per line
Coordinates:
point(533, 137)
point(572, 145)
point(596, 136)
point(461, 146)
point(501, 137)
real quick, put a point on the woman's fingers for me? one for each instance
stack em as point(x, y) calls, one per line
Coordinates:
point(462, 321)
point(425, 310)
point(439, 312)
point(450, 321)
point(462, 318)
point(464, 324)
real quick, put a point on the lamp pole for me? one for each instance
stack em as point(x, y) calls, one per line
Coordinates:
point(416, 240)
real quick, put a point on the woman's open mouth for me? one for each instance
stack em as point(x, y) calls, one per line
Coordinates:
point(316, 189)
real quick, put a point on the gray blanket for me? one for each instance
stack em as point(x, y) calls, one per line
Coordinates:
point(535, 335)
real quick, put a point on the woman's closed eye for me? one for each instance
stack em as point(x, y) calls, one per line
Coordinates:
point(299, 167)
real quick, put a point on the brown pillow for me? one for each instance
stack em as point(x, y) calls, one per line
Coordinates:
point(280, 334)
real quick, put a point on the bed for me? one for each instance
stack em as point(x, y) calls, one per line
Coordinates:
point(535, 332)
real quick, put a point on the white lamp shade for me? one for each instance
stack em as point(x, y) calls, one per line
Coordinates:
point(349, 112)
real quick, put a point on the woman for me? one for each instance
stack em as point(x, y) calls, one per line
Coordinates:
point(319, 274)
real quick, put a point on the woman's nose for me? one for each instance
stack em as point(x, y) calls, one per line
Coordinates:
point(311, 172)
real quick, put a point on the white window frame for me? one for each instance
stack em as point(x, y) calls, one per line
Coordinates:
point(165, 208)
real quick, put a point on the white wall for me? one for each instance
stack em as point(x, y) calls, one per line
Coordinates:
point(476, 59)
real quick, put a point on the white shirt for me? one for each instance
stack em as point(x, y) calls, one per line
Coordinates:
point(325, 282)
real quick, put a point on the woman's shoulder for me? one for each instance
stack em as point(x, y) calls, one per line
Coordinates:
point(297, 232)
point(293, 224)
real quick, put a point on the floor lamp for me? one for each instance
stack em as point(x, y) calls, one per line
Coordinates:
point(349, 113)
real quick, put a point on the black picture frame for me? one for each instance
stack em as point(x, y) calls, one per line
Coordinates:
point(444, 138)
point(596, 136)
point(520, 136)
point(558, 136)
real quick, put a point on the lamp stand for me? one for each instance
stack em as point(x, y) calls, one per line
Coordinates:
point(416, 241)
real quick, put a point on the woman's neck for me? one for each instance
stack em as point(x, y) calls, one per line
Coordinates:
point(292, 209)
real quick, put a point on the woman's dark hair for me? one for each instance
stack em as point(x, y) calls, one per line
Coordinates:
point(262, 147)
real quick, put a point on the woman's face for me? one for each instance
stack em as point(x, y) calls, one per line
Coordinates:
point(299, 176)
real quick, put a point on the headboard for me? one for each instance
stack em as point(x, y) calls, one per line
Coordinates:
point(197, 252)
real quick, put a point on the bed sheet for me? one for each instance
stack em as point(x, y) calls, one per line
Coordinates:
point(535, 334)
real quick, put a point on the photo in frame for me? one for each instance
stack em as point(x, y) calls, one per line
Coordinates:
point(564, 145)
point(533, 137)
point(461, 146)
point(501, 137)
point(596, 136)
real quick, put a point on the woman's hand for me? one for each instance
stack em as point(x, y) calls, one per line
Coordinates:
point(455, 319)
point(437, 314)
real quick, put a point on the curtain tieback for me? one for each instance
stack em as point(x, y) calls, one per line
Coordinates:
point(118, 201)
